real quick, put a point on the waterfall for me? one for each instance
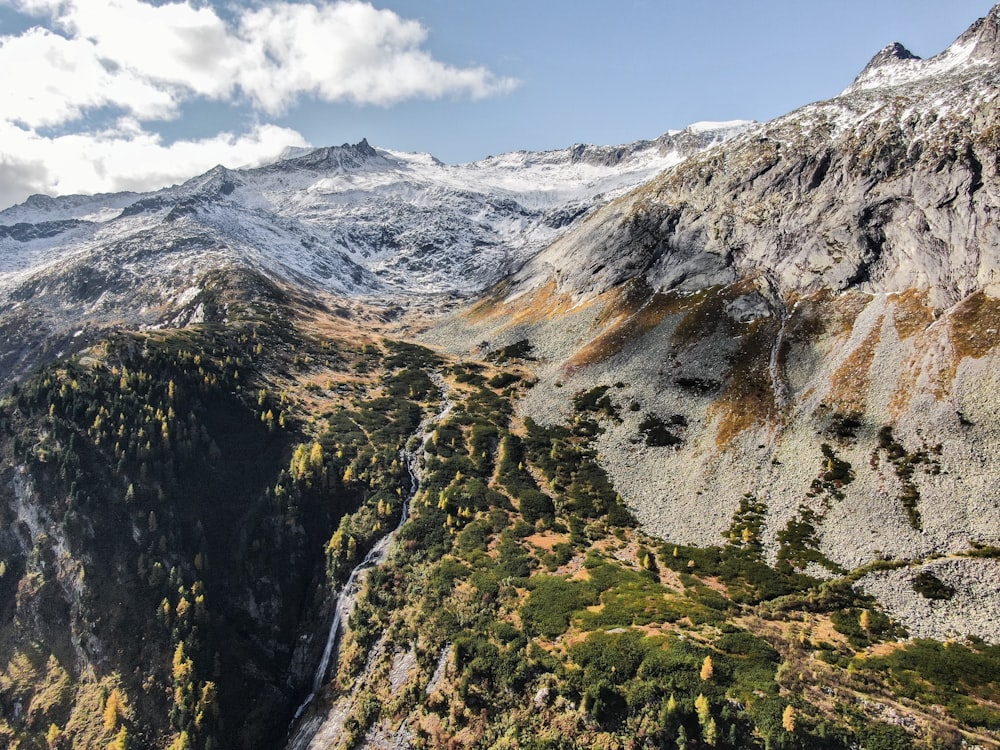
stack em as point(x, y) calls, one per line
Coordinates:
point(345, 598)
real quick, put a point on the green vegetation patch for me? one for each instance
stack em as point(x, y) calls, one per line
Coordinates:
point(660, 433)
point(521, 349)
point(596, 401)
point(905, 464)
point(964, 678)
point(930, 586)
point(552, 601)
point(799, 544)
point(628, 597)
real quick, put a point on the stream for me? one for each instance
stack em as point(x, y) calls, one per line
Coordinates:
point(302, 734)
point(778, 386)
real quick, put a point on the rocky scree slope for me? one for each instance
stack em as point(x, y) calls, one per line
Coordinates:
point(807, 313)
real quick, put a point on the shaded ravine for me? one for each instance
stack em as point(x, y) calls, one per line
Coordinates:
point(302, 730)
point(778, 385)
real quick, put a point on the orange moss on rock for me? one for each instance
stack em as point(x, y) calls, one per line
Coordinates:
point(910, 313)
point(748, 399)
point(975, 326)
point(905, 387)
point(850, 383)
point(825, 313)
point(627, 322)
point(534, 307)
point(973, 330)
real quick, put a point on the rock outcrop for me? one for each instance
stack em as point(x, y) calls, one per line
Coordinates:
point(819, 292)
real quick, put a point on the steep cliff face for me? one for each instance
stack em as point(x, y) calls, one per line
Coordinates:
point(155, 564)
point(813, 304)
point(890, 186)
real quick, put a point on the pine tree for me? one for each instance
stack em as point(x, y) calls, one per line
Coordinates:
point(865, 620)
point(52, 736)
point(710, 732)
point(788, 718)
point(120, 742)
point(707, 670)
point(112, 709)
point(701, 706)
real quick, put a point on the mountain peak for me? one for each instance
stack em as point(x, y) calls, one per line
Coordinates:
point(983, 37)
point(346, 156)
point(362, 147)
point(886, 66)
point(895, 65)
point(889, 55)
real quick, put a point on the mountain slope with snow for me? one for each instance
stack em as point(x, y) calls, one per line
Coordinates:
point(351, 221)
point(406, 218)
point(838, 265)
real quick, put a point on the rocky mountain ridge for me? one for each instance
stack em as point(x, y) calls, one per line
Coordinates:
point(703, 430)
point(355, 204)
point(837, 265)
point(350, 221)
point(826, 196)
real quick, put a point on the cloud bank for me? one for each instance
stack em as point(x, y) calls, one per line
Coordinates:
point(142, 62)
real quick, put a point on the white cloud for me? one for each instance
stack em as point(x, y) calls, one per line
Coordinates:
point(59, 80)
point(142, 62)
point(185, 48)
point(271, 55)
point(348, 51)
point(125, 157)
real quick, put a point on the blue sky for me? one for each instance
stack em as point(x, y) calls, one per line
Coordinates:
point(135, 94)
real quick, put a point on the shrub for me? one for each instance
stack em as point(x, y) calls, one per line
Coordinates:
point(552, 602)
point(658, 432)
point(536, 506)
point(930, 586)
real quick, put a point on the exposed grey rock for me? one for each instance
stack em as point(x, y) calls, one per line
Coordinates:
point(970, 611)
point(839, 263)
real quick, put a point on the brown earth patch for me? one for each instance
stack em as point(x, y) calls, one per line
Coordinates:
point(973, 331)
point(547, 541)
point(851, 381)
point(534, 307)
point(707, 313)
point(628, 323)
point(748, 398)
point(910, 313)
point(824, 313)
point(975, 326)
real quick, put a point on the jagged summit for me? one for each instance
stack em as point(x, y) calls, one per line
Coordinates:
point(889, 55)
point(895, 65)
point(347, 156)
point(984, 37)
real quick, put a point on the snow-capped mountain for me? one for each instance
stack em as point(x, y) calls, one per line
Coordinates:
point(841, 262)
point(775, 347)
point(351, 220)
point(895, 66)
point(356, 220)
point(884, 187)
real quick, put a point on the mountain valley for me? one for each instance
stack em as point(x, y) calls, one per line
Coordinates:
point(693, 441)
